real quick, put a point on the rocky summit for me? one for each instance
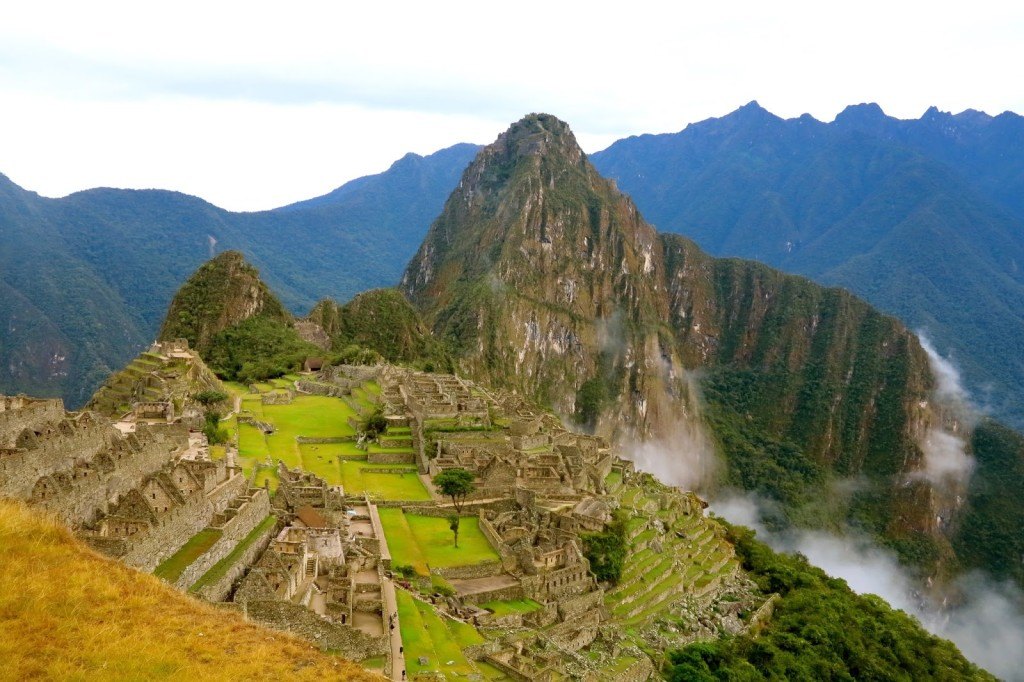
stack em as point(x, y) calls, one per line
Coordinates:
point(544, 278)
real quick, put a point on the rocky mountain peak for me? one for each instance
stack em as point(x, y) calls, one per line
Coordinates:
point(223, 292)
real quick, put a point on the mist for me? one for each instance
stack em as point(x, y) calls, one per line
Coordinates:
point(686, 459)
point(987, 624)
point(946, 460)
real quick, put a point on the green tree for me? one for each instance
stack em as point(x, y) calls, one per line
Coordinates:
point(606, 551)
point(457, 484)
point(375, 423)
point(210, 397)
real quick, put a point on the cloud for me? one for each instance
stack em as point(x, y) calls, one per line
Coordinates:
point(945, 459)
point(986, 623)
point(949, 388)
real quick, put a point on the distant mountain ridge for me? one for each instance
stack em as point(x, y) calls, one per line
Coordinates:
point(920, 217)
point(923, 218)
point(85, 280)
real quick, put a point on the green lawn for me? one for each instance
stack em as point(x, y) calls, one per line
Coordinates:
point(267, 473)
point(346, 449)
point(510, 606)
point(221, 567)
point(405, 550)
point(251, 442)
point(404, 484)
point(440, 640)
point(438, 545)
point(315, 416)
point(171, 569)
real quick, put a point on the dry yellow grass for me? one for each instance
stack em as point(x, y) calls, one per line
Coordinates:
point(68, 613)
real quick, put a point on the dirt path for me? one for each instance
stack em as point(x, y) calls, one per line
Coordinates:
point(395, 633)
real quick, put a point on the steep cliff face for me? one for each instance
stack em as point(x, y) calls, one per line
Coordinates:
point(546, 279)
point(222, 293)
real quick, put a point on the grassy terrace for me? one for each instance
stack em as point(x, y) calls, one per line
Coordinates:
point(509, 607)
point(440, 640)
point(171, 569)
point(425, 542)
point(220, 568)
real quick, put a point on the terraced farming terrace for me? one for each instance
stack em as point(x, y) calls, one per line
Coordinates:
point(327, 512)
point(516, 599)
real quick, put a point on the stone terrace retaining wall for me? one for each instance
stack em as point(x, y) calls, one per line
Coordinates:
point(329, 636)
point(391, 458)
point(218, 591)
point(179, 526)
point(486, 569)
point(250, 514)
point(499, 594)
point(320, 388)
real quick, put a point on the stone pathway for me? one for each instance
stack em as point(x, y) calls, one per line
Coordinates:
point(395, 635)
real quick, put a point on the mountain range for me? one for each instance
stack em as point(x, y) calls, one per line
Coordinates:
point(923, 218)
point(541, 277)
point(920, 217)
point(85, 280)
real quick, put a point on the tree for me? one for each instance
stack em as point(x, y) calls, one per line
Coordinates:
point(210, 397)
point(457, 484)
point(606, 551)
point(375, 423)
point(453, 523)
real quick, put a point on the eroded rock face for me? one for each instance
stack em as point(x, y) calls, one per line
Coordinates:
point(546, 279)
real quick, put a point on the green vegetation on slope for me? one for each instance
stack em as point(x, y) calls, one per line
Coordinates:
point(820, 630)
point(606, 550)
point(382, 320)
point(258, 349)
point(990, 534)
point(220, 294)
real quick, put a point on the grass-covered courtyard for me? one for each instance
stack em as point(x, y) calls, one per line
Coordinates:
point(426, 542)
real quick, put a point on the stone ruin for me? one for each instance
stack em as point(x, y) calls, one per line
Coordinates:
point(323, 570)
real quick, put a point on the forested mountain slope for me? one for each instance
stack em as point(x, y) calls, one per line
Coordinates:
point(923, 218)
point(85, 280)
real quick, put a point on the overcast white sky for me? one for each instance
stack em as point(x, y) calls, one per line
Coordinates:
point(254, 105)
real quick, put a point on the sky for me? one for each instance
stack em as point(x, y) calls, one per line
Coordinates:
point(255, 105)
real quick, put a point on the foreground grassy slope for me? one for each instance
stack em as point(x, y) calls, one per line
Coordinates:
point(67, 613)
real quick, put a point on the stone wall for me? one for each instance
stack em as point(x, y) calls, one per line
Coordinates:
point(75, 466)
point(320, 388)
point(18, 413)
point(307, 440)
point(329, 636)
point(391, 458)
point(574, 606)
point(220, 590)
point(486, 569)
point(176, 527)
point(250, 513)
point(381, 540)
point(508, 557)
point(278, 397)
point(498, 594)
